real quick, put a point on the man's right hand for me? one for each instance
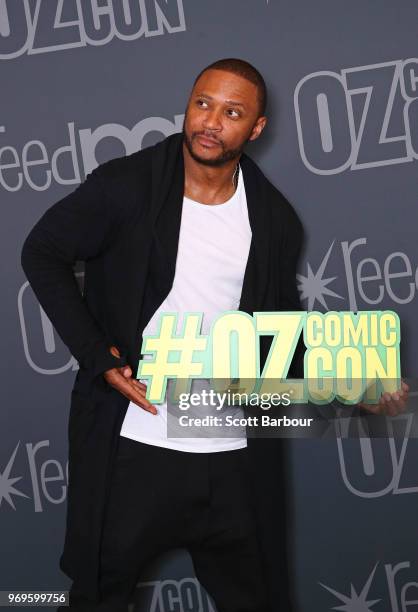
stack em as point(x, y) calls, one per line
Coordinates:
point(121, 379)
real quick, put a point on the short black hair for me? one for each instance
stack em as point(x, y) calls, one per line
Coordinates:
point(247, 71)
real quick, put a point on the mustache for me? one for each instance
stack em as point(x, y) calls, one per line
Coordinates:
point(207, 134)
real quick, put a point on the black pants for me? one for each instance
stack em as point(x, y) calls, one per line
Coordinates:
point(161, 499)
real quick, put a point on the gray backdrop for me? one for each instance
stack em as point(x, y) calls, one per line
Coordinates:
point(83, 82)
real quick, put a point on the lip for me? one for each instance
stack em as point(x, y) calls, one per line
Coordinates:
point(207, 142)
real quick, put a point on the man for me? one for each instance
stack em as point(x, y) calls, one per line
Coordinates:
point(190, 224)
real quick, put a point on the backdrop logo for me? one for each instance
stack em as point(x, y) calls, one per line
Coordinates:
point(365, 117)
point(37, 167)
point(397, 592)
point(366, 278)
point(53, 25)
point(44, 350)
point(375, 467)
point(184, 595)
point(45, 479)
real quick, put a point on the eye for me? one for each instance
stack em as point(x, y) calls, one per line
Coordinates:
point(232, 112)
point(201, 103)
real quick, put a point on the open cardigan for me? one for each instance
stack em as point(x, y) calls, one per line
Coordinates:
point(123, 221)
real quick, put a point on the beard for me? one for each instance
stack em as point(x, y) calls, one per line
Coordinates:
point(224, 156)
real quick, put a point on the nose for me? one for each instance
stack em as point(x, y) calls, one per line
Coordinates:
point(212, 120)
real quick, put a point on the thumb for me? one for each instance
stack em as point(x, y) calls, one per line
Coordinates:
point(126, 371)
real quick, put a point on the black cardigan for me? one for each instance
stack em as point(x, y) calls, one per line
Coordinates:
point(124, 222)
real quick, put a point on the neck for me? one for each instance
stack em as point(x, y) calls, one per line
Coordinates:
point(208, 184)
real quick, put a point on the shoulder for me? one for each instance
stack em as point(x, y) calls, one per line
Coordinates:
point(282, 211)
point(137, 165)
point(125, 167)
point(128, 182)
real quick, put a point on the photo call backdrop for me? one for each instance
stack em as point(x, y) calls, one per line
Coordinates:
point(83, 81)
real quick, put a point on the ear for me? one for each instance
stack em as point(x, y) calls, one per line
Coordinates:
point(258, 127)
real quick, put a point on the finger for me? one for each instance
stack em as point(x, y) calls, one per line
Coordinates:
point(391, 407)
point(115, 351)
point(383, 404)
point(404, 386)
point(402, 405)
point(404, 394)
point(399, 402)
point(129, 388)
point(137, 384)
point(135, 395)
point(141, 402)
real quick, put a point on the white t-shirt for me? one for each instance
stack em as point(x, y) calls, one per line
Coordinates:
point(213, 249)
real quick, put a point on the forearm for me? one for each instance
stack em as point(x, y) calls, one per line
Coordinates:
point(57, 291)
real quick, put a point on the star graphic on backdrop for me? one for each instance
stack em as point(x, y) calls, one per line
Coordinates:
point(313, 287)
point(356, 602)
point(6, 484)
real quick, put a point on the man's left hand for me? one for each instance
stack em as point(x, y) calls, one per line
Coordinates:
point(390, 404)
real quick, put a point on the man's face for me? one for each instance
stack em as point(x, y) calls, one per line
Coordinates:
point(221, 116)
